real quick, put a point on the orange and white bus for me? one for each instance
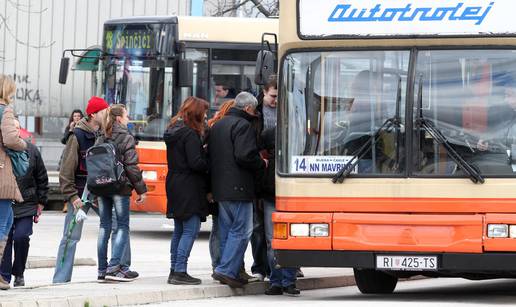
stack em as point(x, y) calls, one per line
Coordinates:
point(151, 64)
point(396, 142)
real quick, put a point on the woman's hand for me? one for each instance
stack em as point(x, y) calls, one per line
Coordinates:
point(141, 198)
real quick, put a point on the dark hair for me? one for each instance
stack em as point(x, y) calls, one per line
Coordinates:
point(192, 112)
point(272, 82)
point(110, 118)
point(70, 120)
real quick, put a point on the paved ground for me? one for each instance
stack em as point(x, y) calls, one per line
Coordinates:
point(430, 292)
point(150, 242)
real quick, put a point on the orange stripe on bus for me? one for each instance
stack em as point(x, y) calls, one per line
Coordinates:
point(427, 205)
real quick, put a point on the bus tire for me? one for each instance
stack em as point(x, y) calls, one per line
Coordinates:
point(370, 281)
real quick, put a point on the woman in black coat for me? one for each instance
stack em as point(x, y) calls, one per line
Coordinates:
point(186, 184)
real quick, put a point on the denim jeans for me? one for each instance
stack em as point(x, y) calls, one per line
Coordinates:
point(235, 228)
point(120, 238)
point(20, 236)
point(214, 242)
point(282, 277)
point(185, 233)
point(65, 256)
point(67, 246)
point(6, 218)
point(258, 242)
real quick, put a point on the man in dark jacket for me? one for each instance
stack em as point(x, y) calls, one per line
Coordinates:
point(34, 189)
point(234, 161)
point(72, 181)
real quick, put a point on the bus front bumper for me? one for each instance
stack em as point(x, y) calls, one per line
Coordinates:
point(447, 262)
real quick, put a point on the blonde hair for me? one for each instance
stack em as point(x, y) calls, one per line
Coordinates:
point(7, 88)
point(110, 118)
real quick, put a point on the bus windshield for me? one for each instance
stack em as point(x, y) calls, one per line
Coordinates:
point(146, 88)
point(332, 103)
point(335, 102)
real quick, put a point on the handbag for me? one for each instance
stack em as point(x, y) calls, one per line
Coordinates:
point(19, 159)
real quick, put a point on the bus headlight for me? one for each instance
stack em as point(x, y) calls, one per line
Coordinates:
point(309, 230)
point(299, 230)
point(497, 230)
point(512, 231)
point(319, 230)
point(150, 175)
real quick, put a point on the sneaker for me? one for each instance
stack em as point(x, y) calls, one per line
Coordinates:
point(131, 274)
point(182, 278)
point(232, 282)
point(291, 290)
point(101, 278)
point(19, 281)
point(274, 290)
point(243, 275)
point(170, 276)
point(299, 273)
point(258, 277)
point(4, 285)
point(118, 276)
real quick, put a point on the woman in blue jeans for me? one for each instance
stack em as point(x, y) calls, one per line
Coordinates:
point(116, 132)
point(186, 184)
point(9, 139)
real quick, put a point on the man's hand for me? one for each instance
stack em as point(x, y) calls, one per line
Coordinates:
point(38, 213)
point(482, 145)
point(77, 203)
point(141, 198)
point(266, 163)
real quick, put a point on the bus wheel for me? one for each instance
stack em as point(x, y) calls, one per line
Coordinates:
point(371, 281)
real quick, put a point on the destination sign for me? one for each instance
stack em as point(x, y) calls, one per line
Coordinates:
point(318, 164)
point(358, 18)
point(139, 42)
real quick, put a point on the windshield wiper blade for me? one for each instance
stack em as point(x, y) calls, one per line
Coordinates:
point(437, 135)
point(388, 125)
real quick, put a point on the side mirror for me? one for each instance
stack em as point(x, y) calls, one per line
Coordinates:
point(63, 70)
point(185, 72)
point(265, 64)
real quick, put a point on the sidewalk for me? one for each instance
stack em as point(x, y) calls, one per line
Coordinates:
point(145, 291)
point(150, 242)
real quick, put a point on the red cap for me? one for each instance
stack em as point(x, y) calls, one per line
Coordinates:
point(96, 104)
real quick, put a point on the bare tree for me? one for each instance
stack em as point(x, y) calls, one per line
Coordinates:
point(4, 25)
point(247, 8)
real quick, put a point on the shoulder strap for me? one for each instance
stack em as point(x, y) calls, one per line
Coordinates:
point(2, 109)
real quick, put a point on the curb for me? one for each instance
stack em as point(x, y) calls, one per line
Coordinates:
point(50, 262)
point(174, 293)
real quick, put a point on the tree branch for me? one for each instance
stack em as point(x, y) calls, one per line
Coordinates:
point(261, 8)
point(233, 8)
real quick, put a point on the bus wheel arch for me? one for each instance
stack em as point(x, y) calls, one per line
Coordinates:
point(371, 281)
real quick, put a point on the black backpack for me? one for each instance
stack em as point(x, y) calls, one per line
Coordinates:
point(104, 170)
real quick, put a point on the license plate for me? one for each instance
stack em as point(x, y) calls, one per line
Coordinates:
point(406, 263)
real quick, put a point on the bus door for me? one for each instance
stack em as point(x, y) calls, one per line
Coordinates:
point(232, 71)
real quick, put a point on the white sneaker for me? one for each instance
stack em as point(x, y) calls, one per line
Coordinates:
point(258, 277)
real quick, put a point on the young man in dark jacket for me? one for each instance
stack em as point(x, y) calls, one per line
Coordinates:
point(234, 161)
point(34, 189)
point(72, 180)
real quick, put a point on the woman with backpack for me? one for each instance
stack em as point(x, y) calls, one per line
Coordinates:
point(186, 184)
point(9, 139)
point(116, 133)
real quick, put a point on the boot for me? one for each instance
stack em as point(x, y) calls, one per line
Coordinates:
point(3, 284)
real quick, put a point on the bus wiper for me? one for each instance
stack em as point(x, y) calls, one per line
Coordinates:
point(387, 126)
point(436, 134)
